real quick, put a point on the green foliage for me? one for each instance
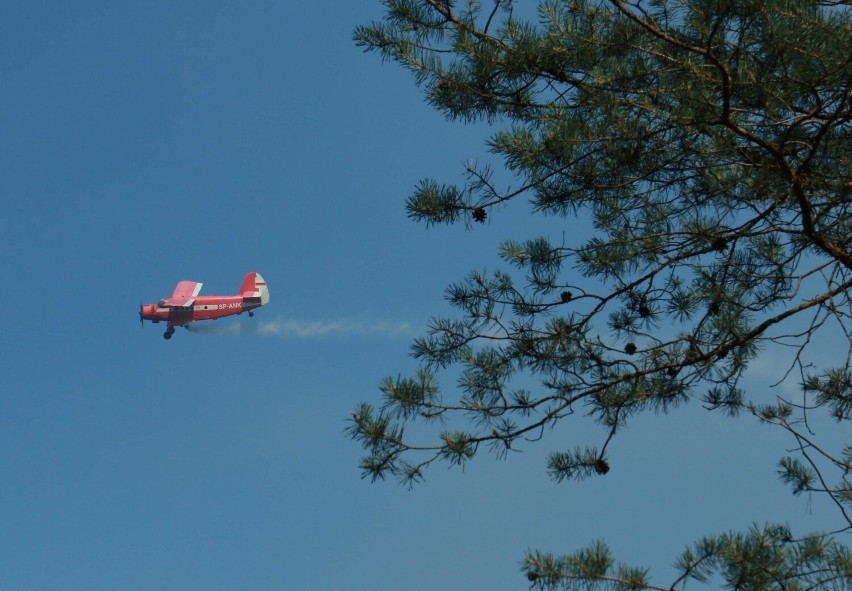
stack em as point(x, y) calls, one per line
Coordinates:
point(578, 464)
point(767, 557)
point(834, 390)
point(699, 152)
point(762, 558)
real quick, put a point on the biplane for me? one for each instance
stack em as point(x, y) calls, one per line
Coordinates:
point(185, 306)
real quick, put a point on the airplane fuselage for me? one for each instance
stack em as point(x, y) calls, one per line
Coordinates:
point(203, 308)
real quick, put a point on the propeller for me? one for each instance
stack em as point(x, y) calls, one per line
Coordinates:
point(141, 317)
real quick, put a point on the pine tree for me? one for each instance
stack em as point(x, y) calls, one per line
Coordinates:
point(707, 143)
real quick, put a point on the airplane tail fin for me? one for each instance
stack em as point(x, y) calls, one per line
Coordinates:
point(254, 286)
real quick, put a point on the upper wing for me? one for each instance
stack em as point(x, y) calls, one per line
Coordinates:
point(184, 294)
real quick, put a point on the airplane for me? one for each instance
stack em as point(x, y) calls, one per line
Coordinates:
point(185, 305)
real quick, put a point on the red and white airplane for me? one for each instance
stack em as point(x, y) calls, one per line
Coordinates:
point(185, 305)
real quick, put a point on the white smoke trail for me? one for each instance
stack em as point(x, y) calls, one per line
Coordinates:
point(309, 328)
point(214, 328)
point(322, 328)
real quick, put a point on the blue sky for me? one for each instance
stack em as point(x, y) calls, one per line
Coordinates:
point(145, 143)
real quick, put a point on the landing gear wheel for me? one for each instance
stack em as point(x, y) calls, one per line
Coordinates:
point(169, 332)
point(251, 314)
